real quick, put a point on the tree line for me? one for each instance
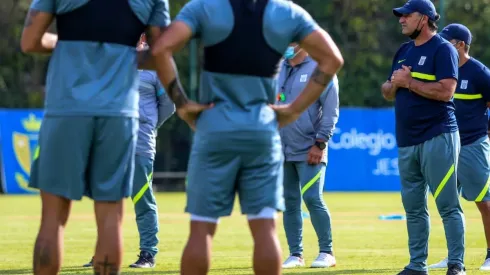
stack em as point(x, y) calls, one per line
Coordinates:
point(366, 31)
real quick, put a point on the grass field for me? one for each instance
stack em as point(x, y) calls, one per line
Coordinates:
point(362, 243)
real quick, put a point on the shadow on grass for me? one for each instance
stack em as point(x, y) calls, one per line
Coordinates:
point(76, 270)
point(333, 271)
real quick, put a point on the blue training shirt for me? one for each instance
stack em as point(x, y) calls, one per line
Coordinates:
point(93, 78)
point(241, 99)
point(419, 119)
point(155, 107)
point(471, 97)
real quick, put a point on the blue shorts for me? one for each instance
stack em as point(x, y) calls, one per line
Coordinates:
point(221, 165)
point(474, 170)
point(92, 156)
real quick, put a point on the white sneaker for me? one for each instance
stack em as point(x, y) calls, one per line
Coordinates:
point(485, 266)
point(441, 264)
point(293, 262)
point(324, 260)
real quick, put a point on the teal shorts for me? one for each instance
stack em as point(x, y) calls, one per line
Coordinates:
point(474, 170)
point(223, 165)
point(91, 156)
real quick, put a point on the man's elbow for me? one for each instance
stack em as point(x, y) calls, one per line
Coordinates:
point(160, 48)
point(27, 45)
point(446, 96)
point(331, 64)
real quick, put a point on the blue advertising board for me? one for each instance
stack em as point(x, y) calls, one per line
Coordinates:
point(362, 154)
point(18, 139)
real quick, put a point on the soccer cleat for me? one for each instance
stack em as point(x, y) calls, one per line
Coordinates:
point(407, 271)
point(454, 269)
point(89, 264)
point(145, 260)
point(293, 262)
point(324, 260)
point(441, 264)
point(486, 265)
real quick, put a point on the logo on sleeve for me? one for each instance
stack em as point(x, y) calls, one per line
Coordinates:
point(303, 78)
point(464, 84)
point(422, 60)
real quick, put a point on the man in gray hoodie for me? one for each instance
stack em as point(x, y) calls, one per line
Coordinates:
point(155, 107)
point(305, 152)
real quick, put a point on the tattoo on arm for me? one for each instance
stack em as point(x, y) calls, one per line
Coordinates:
point(42, 258)
point(30, 15)
point(321, 77)
point(106, 268)
point(176, 93)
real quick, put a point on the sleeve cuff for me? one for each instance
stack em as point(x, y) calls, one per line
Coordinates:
point(326, 138)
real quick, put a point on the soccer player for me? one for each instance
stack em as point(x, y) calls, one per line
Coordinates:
point(422, 82)
point(237, 146)
point(472, 99)
point(88, 136)
point(305, 150)
point(155, 107)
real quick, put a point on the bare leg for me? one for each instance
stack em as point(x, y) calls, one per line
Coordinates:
point(484, 208)
point(109, 248)
point(48, 250)
point(267, 249)
point(196, 258)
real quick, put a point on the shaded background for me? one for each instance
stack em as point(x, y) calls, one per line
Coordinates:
point(365, 30)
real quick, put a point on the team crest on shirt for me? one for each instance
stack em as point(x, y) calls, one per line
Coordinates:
point(303, 78)
point(464, 84)
point(422, 60)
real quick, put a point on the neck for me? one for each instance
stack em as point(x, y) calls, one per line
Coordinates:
point(300, 57)
point(423, 37)
point(463, 58)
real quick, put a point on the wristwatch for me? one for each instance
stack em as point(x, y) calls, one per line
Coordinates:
point(321, 145)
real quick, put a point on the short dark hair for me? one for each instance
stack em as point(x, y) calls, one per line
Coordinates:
point(432, 25)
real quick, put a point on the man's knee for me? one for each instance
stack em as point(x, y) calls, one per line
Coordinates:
point(446, 205)
point(109, 212)
point(55, 210)
point(414, 203)
point(312, 198)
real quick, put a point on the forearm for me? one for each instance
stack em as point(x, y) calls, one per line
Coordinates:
point(330, 113)
point(326, 130)
point(430, 90)
point(313, 90)
point(45, 45)
point(389, 91)
point(169, 77)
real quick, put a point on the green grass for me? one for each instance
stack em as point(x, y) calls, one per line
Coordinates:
point(362, 243)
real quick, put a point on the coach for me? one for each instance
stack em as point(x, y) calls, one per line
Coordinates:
point(305, 152)
point(422, 82)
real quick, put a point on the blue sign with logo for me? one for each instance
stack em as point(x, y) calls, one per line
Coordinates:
point(362, 154)
point(19, 131)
